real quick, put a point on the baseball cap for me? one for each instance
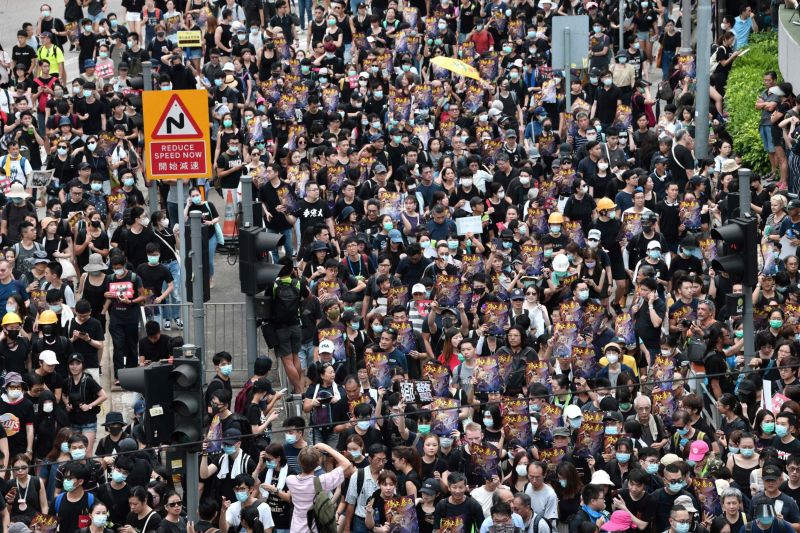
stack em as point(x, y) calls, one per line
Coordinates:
point(431, 487)
point(572, 411)
point(561, 432)
point(48, 357)
point(75, 357)
point(326, 346)
point(620, 521)
point(231, 436)
point(395, 236)
point(769, 472)
point(612, 415)
point(698, 450)
point(379, 168)
point(670, 458)
point(417, 288)
point(594, 234)
point(686, 502)
point(517, 294)
point(654, 245)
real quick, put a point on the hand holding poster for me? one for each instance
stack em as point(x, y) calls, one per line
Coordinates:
point(485, 461)
point(445, 416)
point(401, 514)
point(378, 370)
point(41, 178)
point(706, 491)
point(487, 375)
point(495, 314)
point(447, 290)
point(689, 213)
point(336, 336)
point(438, 375)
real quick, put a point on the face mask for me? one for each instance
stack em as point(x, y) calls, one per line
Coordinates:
point(69, 485)
point(229, 450)
point(651, 468)
point(548, 253)
point(425, 245)
point(47, 407)
point(654, 254)
point(442, 27)
point(331, 22)
point(501, 194)
point(64, 447)
point(128, 182)
point(102, 54)
point(218, 82)
point(96, 187)
point(14, 395)
point(524, 181)
point(622, 60)
point(768, 427)
point(522, 470)
point(781, 431)
point(227, 123)
point(62, 151)
point(291, 438)
point(226, 370)
point(152, 259)
point(682, 431)
point(612, 215)
point(507, 245)
point(446, 442)
point(575, 423)
point(675, 487)
point(507, 49)
point(682, 528)
point(590, 264)
point(241, 495)
point(196, 200)
point(488, 422)
point(607, 82)
point(363, 425)
point(597, 29)
point(423, 429)
point(611, 430)
point(733, 449)
point(118, 477)
point(453, 245)
point(583, 295)
point(636, 45)
point(78, 454)
point(555, 228)
point(623, 457)
point(87, 29)
point(87, 93)
point(377, 328)
point(91, 146)
point(388, 226)
point(378, 96)
point(775, 323)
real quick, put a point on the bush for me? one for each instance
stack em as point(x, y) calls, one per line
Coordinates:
point(744, 86)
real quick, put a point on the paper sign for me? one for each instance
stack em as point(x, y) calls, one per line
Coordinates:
point(190, 39)
point(41, 178)
point(467, 224)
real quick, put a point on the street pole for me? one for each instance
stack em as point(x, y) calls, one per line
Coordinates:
point(747, 291)
point(152, 187)
point(192, 469)
point(567, 72)
point(703, 66)
point(182, 252)
point(250, 329)
point(199, 322)
point(686, 24)
point(621, 25)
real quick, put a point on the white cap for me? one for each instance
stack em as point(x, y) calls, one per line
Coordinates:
point(323, 71)
point(418, 287)
point(326, 346)
point(572, 411)
point(601, 477)
point(228, 66)
point(48, 357)
point(594, 234)
point(654, 245)
point(493, 112)
point(560, 263)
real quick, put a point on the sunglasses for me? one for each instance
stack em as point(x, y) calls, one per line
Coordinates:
point(175, 504)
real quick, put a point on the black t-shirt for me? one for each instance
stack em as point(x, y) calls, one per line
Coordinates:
point(680, 159)
point(23, 54)
point(149, 523)
point(469, 512)
point(311, 214)
point(715, 364)
point(227, 161)
point(154, 351)
point(129, 286)
point(16, 417)
point(116, 501)
point(84, 392)
point(92, 328)
point(271, 196)
point(69, 513)
point(644, 326)
point(15, 359)
point(93, 124)
point(134, 244)
point(641, 509)
point(153, 278)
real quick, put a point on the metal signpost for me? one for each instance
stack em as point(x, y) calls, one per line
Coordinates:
point(251, 332)
point(703, 66)
point(570, 48)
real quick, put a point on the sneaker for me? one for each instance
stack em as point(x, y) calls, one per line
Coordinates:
point(167, 325)
point(179, 323)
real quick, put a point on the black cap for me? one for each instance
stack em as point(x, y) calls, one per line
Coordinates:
point(431, 487)
point(771, 472)
point(75, 357)
point(263, 385)
point(231, 436)
point(112, 418)
point(612, 415)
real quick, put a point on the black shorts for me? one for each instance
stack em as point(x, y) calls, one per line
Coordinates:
point(289, 339)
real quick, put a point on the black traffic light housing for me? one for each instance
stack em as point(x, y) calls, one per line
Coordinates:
point(255, 270)
point(186, 381)
point(153, 383)
point(740, 249)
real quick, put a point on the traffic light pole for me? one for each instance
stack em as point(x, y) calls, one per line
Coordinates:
point(250, 329)
point(747, 291)
point(703, 66)
point(152, 187)
point(199, 323)
point(192, 496)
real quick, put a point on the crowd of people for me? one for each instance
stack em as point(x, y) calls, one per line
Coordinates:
point(498, 312)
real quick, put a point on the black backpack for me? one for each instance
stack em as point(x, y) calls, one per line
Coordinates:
point(286, 299)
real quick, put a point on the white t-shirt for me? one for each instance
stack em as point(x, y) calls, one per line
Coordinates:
point(234, 515)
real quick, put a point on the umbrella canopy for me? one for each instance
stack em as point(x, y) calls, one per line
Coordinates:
point(456, 66)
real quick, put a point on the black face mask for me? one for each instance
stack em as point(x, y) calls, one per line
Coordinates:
point(115, 430)
point(96, 223)
point(12, 334)
point(48, 330)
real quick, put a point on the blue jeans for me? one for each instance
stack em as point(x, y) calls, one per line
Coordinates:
point(212, 250)
point(287, 243)
point(666, 63)
point(359, 525)
point(172, 212)
point(304, 8)
point(173, 310)
point(306, 355)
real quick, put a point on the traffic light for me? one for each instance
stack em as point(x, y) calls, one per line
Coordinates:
point(740, 249)
point(187, 404)
point(153, 383)
point(255, 269)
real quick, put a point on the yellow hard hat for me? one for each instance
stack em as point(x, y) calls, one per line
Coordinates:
point(604, 204)
point(11, 318)
point(555, 218)
point(48, 317)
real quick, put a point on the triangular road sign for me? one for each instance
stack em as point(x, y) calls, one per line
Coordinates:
point(176, 122)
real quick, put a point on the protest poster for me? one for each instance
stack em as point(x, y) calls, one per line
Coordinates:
point(487, 375)
point(378, 370)
point(438, 375)
point(624, 328)
point(329, 289)
point(495, 314)
point(445, 416)
point(631, 226)
point(473, 100)
point(396, 296)
point(416, 391)
point(44, 523)
point(485, 461)
point(689, 214)
point(532, 259)
point(552, 457)
point(537, 372)
point(488, 66)
point(401, 514)
point(537, 219)
point(707, 496)
point(504, 361)
point(391, 204)
point(471, 264)
point(708, 247)
point(466, 225)
point(518, 427)
point(585, 363)
point(423, 307)
point(447, 290)
point(214, 436)
point(664, 405)
point(336, 336)
point(41, 178)
point(406, 341)
point(663, 370)
point(574, 231)
point(454, 524)
point(593, 315)
point(465, 294)
point(550, 417)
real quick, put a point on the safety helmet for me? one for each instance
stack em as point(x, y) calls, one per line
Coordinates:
point(48, 317)
point(555, 218)
point(11, 318)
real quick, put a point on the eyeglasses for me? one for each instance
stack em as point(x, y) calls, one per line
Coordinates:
point(21, 468)
point(175, 504)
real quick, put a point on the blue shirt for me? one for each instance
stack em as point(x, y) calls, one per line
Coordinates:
point(7, 289)
point(742, 29)
point(440, 232)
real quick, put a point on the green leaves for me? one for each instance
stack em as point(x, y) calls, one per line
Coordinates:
point(744, 86)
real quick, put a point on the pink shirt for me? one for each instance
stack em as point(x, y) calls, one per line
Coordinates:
point(301, 487)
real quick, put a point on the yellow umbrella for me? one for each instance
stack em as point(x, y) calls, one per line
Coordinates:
point(456, 66)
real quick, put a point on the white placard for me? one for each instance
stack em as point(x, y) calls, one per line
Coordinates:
point(465, 225)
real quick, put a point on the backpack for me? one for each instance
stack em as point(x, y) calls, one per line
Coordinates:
point(286, 299)
point(243, 398)
point(322, 512)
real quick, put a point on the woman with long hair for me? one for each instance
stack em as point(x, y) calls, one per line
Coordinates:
point(406, 462)
point(58, 454)
point(517, 479)
point(568, 489)
point(30, 496)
